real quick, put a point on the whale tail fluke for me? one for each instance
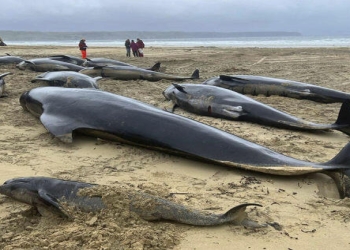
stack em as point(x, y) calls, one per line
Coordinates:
point(239, 216)
point(343, 120)
point(341, 176)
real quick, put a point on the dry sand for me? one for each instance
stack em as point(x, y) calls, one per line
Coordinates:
point(308, 207)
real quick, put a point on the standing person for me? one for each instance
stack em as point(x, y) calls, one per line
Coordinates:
point(141, 46)
point(134, 48)
point(127, 46)
point(83, 47)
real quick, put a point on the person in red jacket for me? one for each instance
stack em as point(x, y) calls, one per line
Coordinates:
point(134, 48)
point(83, 47)
point(141, 46)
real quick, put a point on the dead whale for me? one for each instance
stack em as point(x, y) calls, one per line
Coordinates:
point(223, 103)
point(49, 194)
point(8, 59)
point(69, 79)
point(133, 73)
point(95, 62)
point(268, 86)
point(68, 59)
point(47, 64)
point(112, 117)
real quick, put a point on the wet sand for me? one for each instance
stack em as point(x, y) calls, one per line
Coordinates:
point(307, 207)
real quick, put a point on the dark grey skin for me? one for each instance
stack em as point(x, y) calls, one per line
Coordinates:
point(259, 85)
point(8, 59)
point(112, 117)
point(223, 103)
point(48, 193)
point(134, 73)
point(95, 62)
point(2, 84)
point(68, 59)
point(69, 79)
point(47, 64)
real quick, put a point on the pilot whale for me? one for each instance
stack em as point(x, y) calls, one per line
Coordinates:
point(133, 73)
point(63, 111)
point(268, 86)
point(49, 193)
point(223, 103)
point(9, 59)
point(69, 79)
point(47, 64)
point(95, 62)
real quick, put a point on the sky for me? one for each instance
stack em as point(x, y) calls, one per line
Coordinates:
point(309, 17)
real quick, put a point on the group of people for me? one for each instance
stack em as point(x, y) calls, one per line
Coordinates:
point(136, 47)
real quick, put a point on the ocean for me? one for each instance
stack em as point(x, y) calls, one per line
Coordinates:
point(259, 42)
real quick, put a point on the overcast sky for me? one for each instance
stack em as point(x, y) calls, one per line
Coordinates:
point(309, 17)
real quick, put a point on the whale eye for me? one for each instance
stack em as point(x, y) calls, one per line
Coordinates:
point(209, 109)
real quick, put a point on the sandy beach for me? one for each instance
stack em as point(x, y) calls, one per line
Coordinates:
point(307, 207)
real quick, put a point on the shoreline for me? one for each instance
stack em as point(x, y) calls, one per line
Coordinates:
point(188, 46)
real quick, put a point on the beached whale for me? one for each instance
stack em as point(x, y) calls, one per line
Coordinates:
point(133, 73)
point(219, 102)
point(94, 62)
point(68, 59)
point(112, 117)
point(8, 59)
point(69, 79)
point(268, 86)
point(49, 194)
point(47, 64)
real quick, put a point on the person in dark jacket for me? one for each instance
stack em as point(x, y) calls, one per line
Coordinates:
point(141, 46)
point(83, 47)
point(134, 48)
point(127, 46)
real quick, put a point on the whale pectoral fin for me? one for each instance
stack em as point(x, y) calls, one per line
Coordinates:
point(232, 78)
point(179, 88)
point(49, 199)
point(233, 111)
point(60, 126)
point(170, 107)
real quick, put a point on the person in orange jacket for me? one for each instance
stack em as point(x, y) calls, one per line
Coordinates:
point(83, 47)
